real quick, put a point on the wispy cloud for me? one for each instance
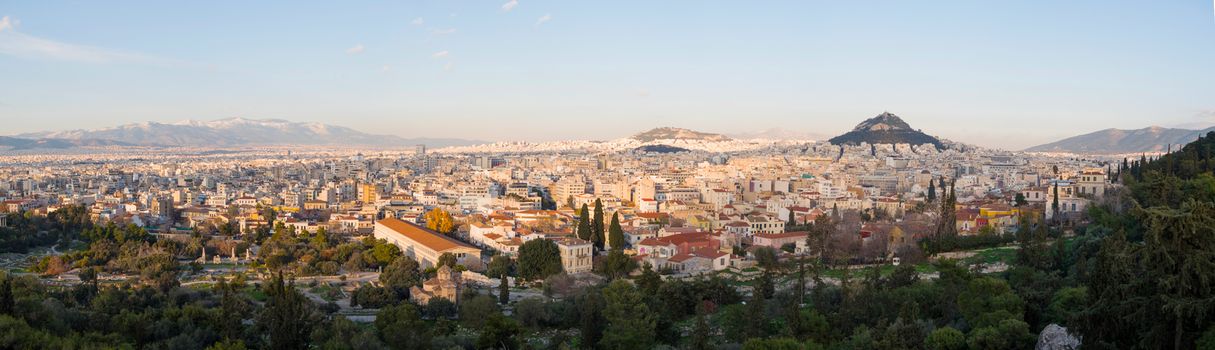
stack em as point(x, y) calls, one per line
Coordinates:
point(356, 49)
point(448, 67)
point(440, 54)
point(417, 21)
point(509, 5)
point(545, 18)
point(18, 44)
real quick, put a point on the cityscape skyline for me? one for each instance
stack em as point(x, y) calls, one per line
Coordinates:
point(994, 75)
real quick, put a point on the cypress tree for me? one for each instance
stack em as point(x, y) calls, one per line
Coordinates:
point(932, 192)
point(584, 224)
point(597, 224)
point(503, 291)
point(616, 233)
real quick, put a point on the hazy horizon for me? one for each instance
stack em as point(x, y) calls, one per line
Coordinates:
point(1006, 75)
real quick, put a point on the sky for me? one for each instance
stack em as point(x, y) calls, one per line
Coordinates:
point(1007, 74)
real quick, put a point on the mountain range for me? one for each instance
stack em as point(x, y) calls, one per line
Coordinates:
point(234, 132)
point(886, 128)
point(1115, 141)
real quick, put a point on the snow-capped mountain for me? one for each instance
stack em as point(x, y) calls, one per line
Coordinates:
point(672, 137)
point(239, 132)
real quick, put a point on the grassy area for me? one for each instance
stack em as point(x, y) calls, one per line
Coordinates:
point(992, 255)
point(256, 294)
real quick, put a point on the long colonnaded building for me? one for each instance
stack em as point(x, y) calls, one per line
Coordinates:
point(421, 243)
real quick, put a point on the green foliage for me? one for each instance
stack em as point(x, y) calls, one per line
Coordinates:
point(617, 265)
point(1008, 334)
point(400, 275)
point(499, 266)
point(945, 338)
point(538, 259)
point(474, 310)
point(288, 317)
point(597, 234)
point(447, 259)
point(987, 301)
point(499, 332)
point(402, 327)
point(630, 323)
point(616, 233)
point(584, 224)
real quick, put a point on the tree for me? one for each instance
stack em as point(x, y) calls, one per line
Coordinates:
point(615, 233)
point(757, 320)
point(772, 344)
point(1178, 256)
point(945, 338)
point(590, 317)
point(597, 226)
point(584, 224)
point(447, 259)
point(1019, 199)
point(320, 241)
point(383, 253)
point(649, 282)
point(932, 192)
point(503, 291)
point(499, 267)
point(630, 323)
point(499, 332)
point(402, 327)
point(288, 316)
point(618, 265)
point(766, 257)
point(700, 332)
point(440, 221)
point(474, 310)
point(539, 258)
point(1054, 204)
point(401, 274)
point(1007, 334)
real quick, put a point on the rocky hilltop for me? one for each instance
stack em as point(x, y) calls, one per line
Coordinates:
point(886, 128)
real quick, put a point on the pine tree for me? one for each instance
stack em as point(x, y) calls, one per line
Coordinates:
point(287, 316)
point(584, 224)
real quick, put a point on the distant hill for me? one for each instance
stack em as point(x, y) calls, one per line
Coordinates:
point(886, 128)
point(14, 143)
point(661, 149)
point(678, 134)
point(242, 132)
point(1114, 141)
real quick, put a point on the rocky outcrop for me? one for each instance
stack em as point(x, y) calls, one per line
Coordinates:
point(1056, 337)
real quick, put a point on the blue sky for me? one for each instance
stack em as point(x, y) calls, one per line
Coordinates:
point(995, 73)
